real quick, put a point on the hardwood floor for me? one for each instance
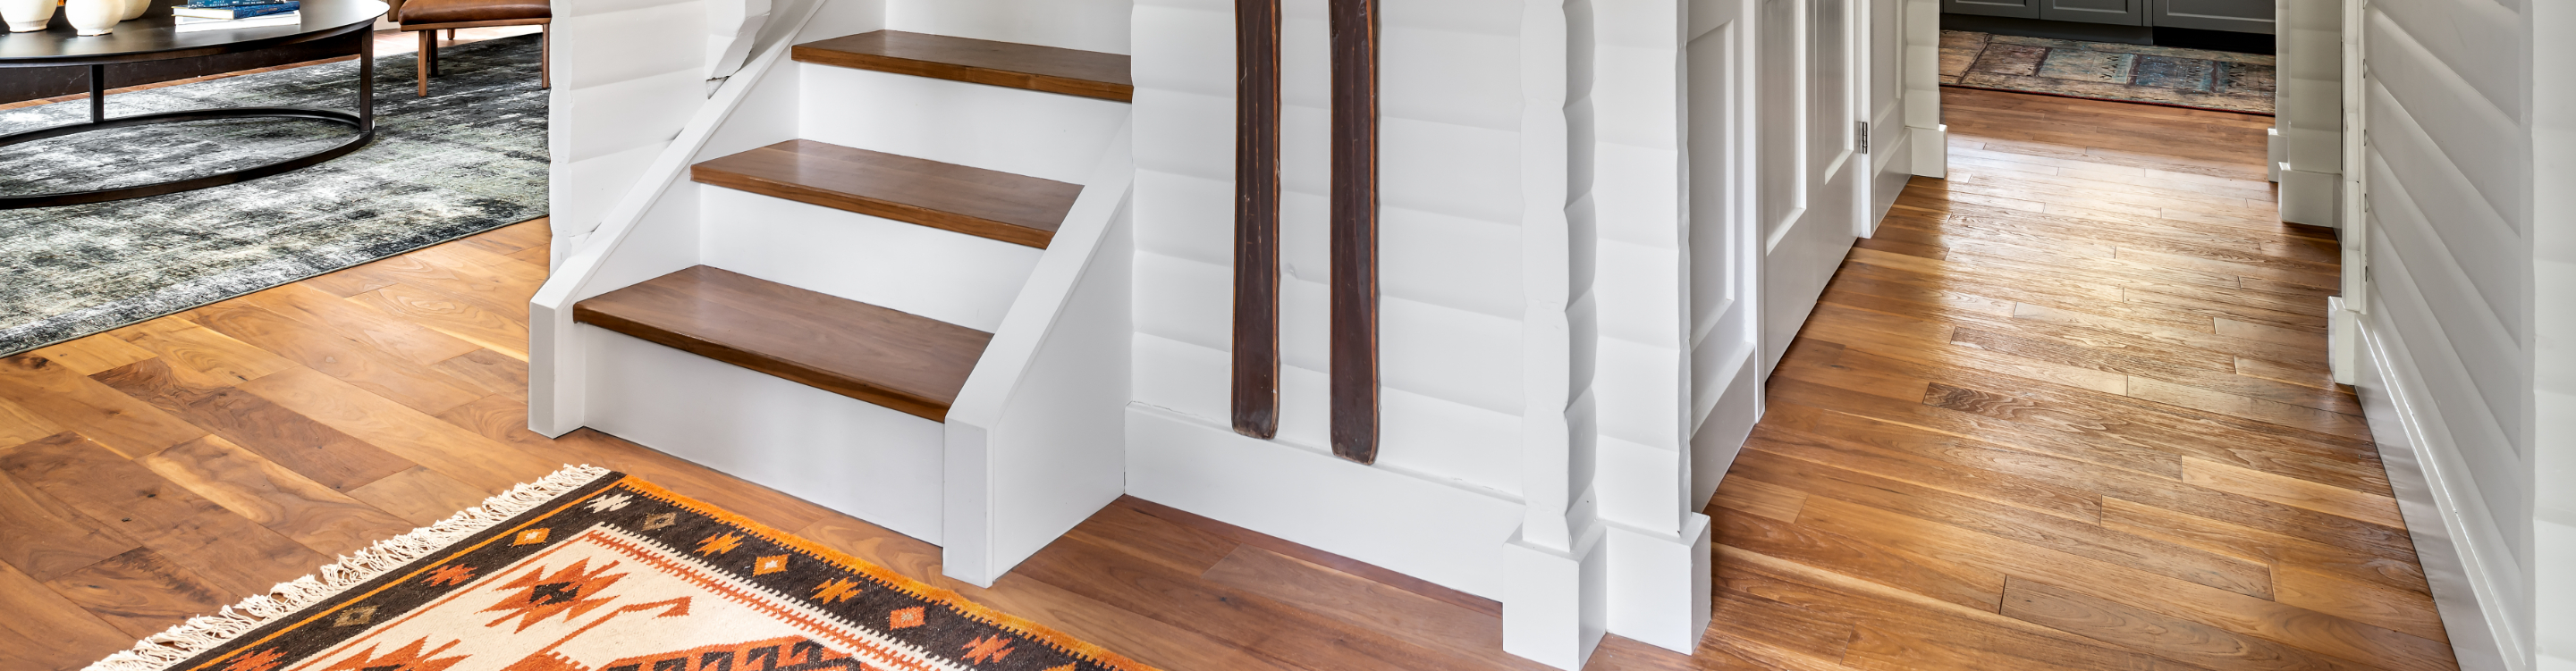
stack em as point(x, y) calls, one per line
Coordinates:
point(2068, 410)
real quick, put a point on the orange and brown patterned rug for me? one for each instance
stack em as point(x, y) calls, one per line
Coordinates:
point(590, 570)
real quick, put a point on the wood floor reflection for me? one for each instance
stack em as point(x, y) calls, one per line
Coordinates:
point(2070, 408)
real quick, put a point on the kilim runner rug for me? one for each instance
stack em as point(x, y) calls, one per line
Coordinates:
point(589, 570)
point(2195, 78)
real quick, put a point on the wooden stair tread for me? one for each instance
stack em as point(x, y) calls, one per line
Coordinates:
point(1089, 74)
point(974, 201)
point(899, 360)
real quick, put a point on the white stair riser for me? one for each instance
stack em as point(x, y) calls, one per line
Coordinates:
point(1047, 135)
point(952, 277)
point(869, 461)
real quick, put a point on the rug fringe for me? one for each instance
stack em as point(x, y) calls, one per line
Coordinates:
point(205, 632)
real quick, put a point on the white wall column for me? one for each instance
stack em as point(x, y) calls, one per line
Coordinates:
point(1929, 137)
point(2552, 106)
point(1556, 564)
point(2308, 114)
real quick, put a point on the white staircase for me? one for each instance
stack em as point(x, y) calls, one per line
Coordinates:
point(885, 272)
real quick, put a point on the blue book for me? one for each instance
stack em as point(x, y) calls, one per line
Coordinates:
point(232, 3)
point(237, 12)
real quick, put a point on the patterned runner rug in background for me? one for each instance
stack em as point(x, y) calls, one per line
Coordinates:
point(2195, 78)
point(469, 158)
point(589, 570)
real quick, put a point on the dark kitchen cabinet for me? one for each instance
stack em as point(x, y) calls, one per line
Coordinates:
point(2020, 9)
point(2243, 16)
point(2115, 12)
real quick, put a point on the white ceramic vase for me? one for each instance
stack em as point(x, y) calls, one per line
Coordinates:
point(134, 9)
point(94, 17)
point(26, 15)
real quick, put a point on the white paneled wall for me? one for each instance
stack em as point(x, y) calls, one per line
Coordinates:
point(622, 91)
point(620, 94)
point(1536, 338)
point(1450, 259)
point(2454, 326)
point(1450, 245)
point(1089, 25)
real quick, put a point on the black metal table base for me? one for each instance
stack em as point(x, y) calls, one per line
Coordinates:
point(364, 122)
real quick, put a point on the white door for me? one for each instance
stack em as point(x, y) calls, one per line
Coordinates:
point(1813, 177)
point(1725, 239)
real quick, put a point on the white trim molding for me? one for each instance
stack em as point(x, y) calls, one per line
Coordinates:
point(2473, 574)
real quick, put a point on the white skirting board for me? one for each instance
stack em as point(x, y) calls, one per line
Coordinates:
point(849, 455)
point(1557, 605)
point(1658, 586)
point(2462, 552)
point(1438, 532)
point(1652, 587)
point(1930, 152)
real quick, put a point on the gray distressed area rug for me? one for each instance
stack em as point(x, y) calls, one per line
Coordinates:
point(467, 159)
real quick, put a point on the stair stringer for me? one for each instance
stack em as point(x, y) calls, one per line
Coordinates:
point(1037, 440)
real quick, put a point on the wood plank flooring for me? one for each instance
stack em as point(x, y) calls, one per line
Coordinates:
point(2069, 410)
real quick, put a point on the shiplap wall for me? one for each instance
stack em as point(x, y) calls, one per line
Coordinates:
point(1450, 247)
point(623, 90)
point(2450, 222)
point(1089, 25)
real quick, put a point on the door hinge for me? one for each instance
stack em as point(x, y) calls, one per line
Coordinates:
point(1860, 130)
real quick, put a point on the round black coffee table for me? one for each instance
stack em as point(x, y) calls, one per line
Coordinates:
point(152, 38)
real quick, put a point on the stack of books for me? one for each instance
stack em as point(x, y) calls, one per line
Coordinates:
point(226, 14)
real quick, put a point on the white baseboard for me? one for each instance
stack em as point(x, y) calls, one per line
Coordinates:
point(1931, 151)
point(1439, 532)
point(2461, 550)
point(1659, 584)
point(1557, 606)
point(2310, 197)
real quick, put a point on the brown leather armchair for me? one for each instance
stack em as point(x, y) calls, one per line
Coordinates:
point(427, 17)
